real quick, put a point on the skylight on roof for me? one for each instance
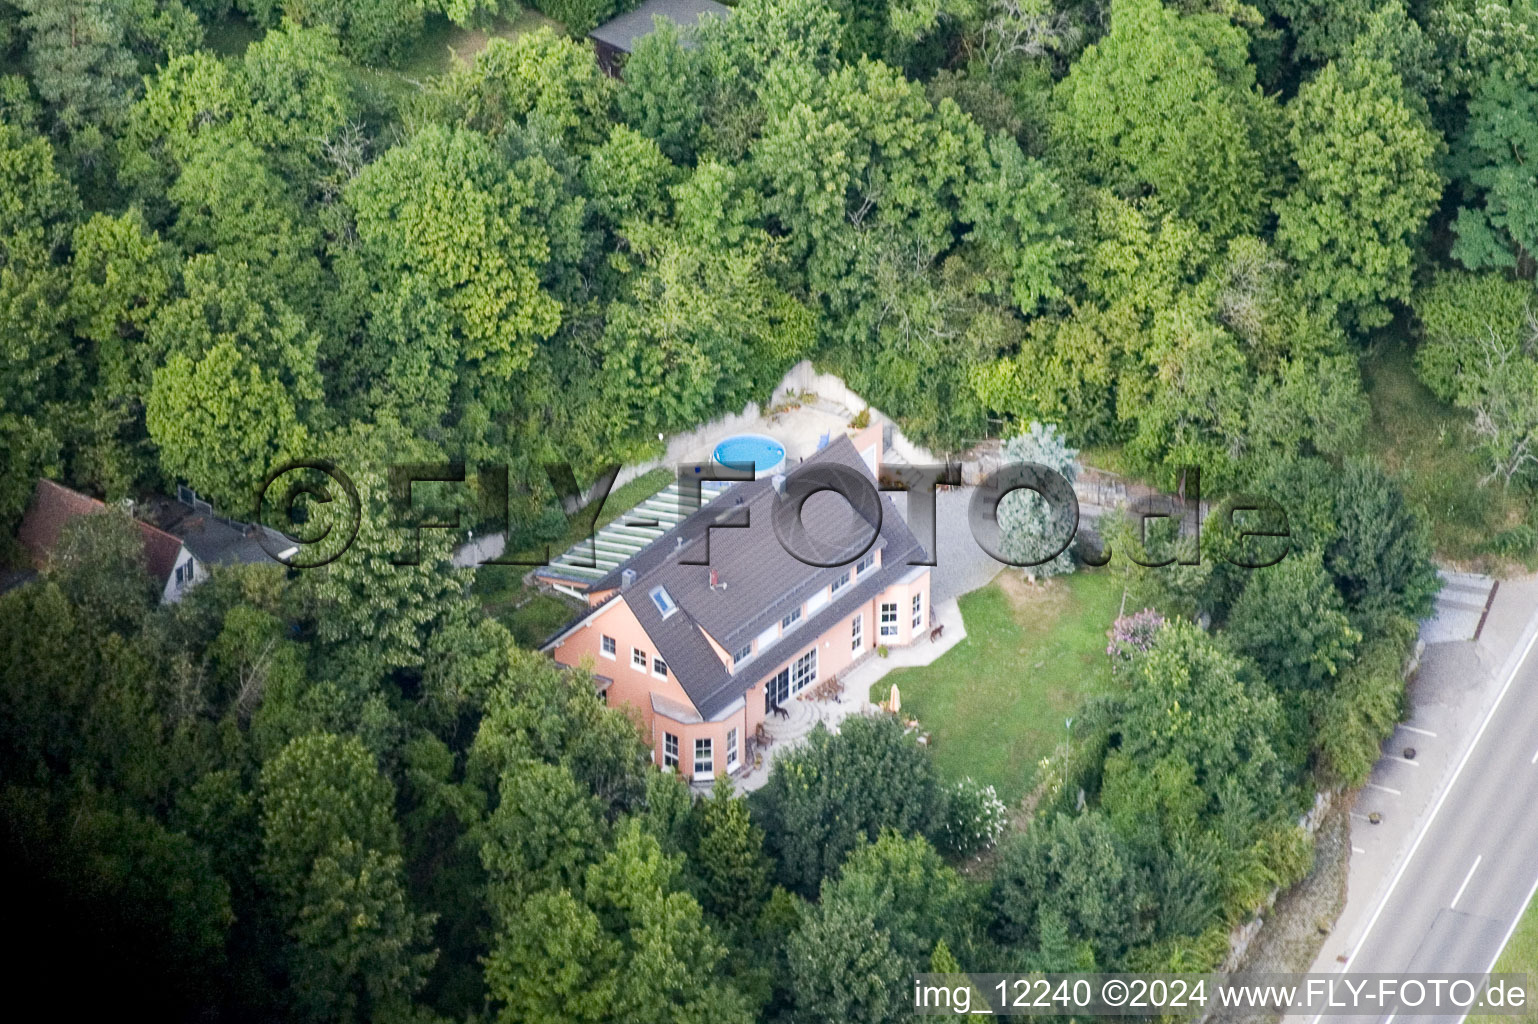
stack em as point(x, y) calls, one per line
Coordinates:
point(663, 600)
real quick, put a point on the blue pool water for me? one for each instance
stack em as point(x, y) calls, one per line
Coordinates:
point(765, 453)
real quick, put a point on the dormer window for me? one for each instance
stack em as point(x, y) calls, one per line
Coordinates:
point(663, 600)
point(743, 655)
point(865, 563)
point(841, 581)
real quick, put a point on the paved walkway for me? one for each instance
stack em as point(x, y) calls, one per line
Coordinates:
point(1460, 608)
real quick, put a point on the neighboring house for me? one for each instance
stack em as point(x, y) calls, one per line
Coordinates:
point(704, 653)
point(176, 558)
point(617, 38)
point(213, 539)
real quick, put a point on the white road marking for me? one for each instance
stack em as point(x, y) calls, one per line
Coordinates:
point(1535, 758)
point(1357, 849)
point(1466, 879)
point(1386, 789)
point(1406, 760)
point(1441, 799)
point(1509, 933)
point(1419, 731)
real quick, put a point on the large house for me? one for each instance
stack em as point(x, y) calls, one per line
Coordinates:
point(706, 652)
point(177, 553)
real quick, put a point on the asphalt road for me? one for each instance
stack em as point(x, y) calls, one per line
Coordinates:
point(1474, 866)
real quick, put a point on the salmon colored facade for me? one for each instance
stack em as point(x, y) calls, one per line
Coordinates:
point(612, 642)
point(612, 645)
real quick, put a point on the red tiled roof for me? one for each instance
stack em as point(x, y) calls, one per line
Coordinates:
point(53, 505)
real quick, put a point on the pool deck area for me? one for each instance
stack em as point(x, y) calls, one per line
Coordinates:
point(589, 560)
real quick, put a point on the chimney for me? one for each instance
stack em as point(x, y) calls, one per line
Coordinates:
point(626, 578)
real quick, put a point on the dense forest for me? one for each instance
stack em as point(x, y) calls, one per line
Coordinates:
point(235, 233)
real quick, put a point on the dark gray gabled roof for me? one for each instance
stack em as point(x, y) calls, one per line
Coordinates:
point(214, 540)
point(758, 581)
point(623, 31)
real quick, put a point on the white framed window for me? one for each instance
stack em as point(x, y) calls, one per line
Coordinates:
point(888, 619)
point(742, 655)
point(607, 647)
point(840, 581)
point(704, 757)
point(804, 672)
point(659, 667)
point(731, 749)
point(669, 750)
point(865, 563)
point(918, 610)
point(857, 632)
point(663, 600)
point(791, 619)
point(638, 659)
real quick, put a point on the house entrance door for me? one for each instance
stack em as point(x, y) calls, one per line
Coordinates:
point(777, 690)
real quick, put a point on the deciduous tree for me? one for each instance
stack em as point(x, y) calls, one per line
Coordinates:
point(1168, 101)
point(1366, 184)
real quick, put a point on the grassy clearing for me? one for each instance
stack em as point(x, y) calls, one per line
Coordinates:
point(1428, 445)
point(432, 52)
point(1519, 956)
point(531, 614)
point(442, 42)
point(997, 702)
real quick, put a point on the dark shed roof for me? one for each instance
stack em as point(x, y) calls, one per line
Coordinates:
point(623, 31)
point(214, 540)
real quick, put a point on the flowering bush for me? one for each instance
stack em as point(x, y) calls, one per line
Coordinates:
point(975, 818)
point(1131, 635)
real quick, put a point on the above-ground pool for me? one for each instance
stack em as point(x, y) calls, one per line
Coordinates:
point(765, 453)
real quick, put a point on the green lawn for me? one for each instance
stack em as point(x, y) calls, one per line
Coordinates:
point(431, 52)
point(533, 615)
point(997, 702)
point(441, 41)
point(1520, 955)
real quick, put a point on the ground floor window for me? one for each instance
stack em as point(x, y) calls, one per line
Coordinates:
point(856, 633)
point(889, 618)
point(731, 749)
point(704, 761)
point(918, 610)
point(804, 672)
point(669, 750)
